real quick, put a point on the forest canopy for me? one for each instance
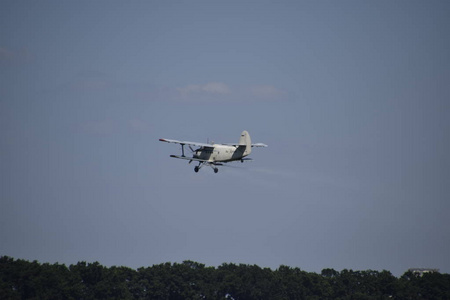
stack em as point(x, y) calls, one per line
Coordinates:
point(21, 279)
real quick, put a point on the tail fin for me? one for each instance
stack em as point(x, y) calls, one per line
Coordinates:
point(245, 140)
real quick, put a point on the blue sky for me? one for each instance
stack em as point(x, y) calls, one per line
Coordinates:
point(352, 98)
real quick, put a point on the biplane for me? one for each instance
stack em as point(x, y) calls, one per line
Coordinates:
point(214, 155)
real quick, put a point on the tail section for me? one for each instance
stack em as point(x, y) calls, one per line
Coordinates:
point(245, 140)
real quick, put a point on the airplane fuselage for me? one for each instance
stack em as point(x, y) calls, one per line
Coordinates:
point(220, 153)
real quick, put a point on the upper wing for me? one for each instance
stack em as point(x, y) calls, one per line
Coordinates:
point(186, 143)
point(206, 145)
point(253, 145)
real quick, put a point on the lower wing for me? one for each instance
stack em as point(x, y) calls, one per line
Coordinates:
point(189, 158)
point(196, 159)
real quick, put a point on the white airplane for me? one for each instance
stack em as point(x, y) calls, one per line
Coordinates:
point(214, 155)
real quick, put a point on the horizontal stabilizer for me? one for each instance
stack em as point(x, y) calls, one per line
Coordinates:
point(259, 145)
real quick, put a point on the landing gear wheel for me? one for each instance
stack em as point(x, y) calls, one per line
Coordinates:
point(196, 169)
point(216, 170)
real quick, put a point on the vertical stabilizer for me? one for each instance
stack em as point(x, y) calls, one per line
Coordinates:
point(245, 140)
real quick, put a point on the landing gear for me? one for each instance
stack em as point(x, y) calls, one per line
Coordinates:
point(201, 164)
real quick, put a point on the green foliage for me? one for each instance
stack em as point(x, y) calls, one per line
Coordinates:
point(20, 279)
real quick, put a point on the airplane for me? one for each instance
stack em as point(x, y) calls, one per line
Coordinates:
point(214, 155)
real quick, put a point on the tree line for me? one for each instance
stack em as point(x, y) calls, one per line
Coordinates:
point(21, 279)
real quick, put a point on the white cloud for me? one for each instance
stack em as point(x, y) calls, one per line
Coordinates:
point(208, 88)
point(216, 88)
point(218, 91)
